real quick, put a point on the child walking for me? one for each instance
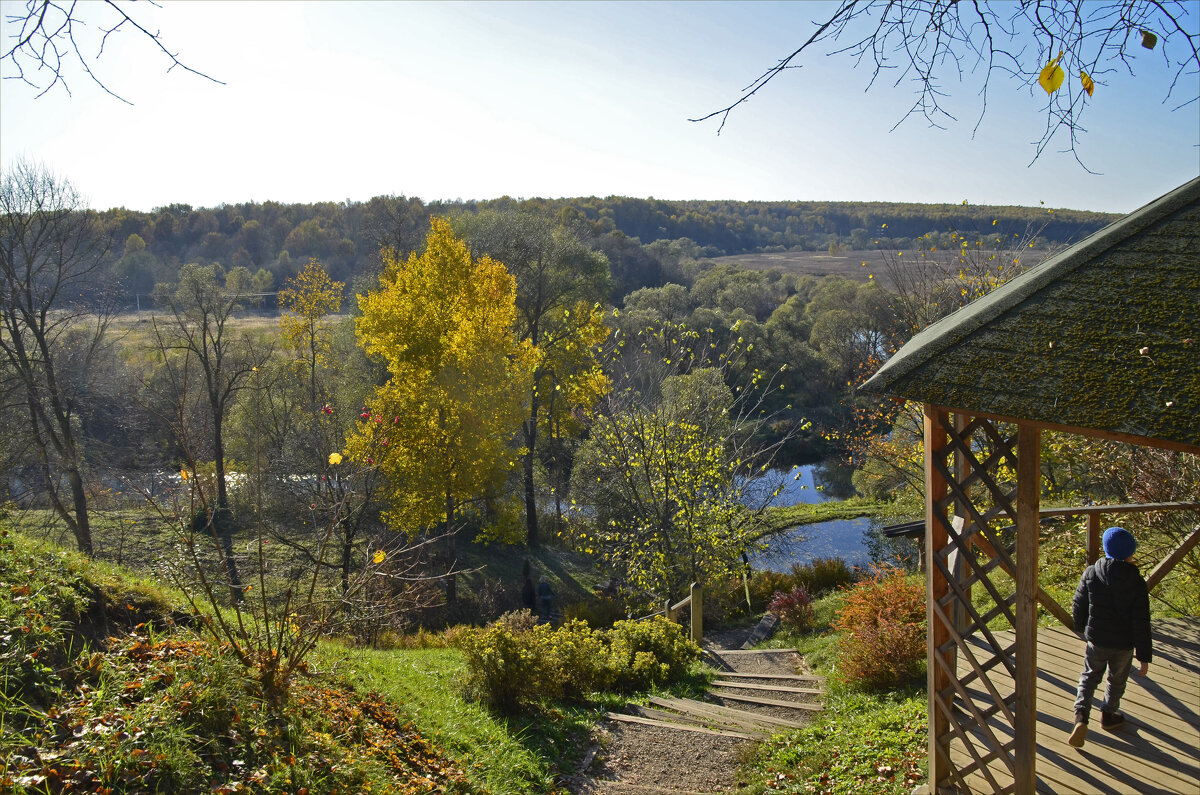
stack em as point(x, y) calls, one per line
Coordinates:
point(1112, 611)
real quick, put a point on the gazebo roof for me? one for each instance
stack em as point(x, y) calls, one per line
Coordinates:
point(1104, 336)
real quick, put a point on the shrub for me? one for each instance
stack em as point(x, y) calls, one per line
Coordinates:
point(822, 575)
point(794, 608)
point(653, 652)
point(518, 620)
point(764, 584)
point(883, 630)
point(599, 613)
point(509, 669)
point(578, 658)
point(819, 577)
point(506, 669)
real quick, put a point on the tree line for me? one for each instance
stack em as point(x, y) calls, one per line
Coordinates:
point(273, 241)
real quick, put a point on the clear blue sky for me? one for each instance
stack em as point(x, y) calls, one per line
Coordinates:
point(336, 101)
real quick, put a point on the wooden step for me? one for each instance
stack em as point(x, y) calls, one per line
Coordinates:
point(795, 677)
point(723, 652)
point(770, 688)
point(709, 723)
point(705, 708)
point(679, 726)
point(771, 702)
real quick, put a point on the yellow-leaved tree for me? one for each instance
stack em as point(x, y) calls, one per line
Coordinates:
point(441, 428)
point(306, 301)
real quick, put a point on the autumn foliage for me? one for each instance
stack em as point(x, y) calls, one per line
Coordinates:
point(440, 429)
point(883, 630)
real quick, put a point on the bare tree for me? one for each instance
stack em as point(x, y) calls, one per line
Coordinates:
point(200, 340)
point(926, 43)
point(54, 321)
point(54, 38)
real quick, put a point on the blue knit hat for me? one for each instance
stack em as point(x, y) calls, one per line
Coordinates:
point(1119, 543)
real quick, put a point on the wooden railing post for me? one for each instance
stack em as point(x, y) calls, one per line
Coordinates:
point(1093, 539)
point(936, 587)
point(697, 597)
point(1025, 713)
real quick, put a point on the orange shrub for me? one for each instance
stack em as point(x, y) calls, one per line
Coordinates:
point(883, 629)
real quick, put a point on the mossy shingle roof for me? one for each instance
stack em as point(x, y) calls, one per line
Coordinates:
point(1103, 336)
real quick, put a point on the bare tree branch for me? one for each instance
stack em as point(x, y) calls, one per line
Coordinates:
point(928, 42)
point(48, 36)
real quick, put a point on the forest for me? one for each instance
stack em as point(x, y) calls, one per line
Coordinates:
point(644, 239)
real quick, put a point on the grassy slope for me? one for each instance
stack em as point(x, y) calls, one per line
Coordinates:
point(67, 621)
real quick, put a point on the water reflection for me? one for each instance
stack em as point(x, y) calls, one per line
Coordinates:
point(837, 538)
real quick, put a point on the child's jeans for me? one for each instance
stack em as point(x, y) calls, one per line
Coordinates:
point(1095, 660)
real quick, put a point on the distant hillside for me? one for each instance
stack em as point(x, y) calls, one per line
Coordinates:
point(274, 240)
point(733, 227)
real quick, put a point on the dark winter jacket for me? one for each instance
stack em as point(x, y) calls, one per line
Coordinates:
point(1112, 607)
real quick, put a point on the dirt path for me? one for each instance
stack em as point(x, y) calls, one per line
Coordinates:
point(631, 759)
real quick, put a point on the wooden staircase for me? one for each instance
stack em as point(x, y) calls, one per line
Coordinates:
point(766, 704)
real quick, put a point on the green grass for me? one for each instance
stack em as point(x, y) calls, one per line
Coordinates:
point(861, 744)
point(784, 517)
point(499, 756)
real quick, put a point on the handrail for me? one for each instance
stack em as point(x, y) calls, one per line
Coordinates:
point(695, 600)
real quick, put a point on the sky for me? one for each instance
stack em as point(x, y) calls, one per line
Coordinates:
point(345, 101)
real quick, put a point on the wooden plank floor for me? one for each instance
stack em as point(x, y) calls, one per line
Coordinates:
point(1156, 753)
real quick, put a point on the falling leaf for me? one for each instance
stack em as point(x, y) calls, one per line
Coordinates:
point(379, 556)
point(1088, 85)
point(1149, 39)
point(1052, 76)
point(1144, 351)
point(335, 459)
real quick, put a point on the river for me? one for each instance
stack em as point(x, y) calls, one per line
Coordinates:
point(837, 538)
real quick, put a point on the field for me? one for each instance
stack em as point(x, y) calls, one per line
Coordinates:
point(857, 265)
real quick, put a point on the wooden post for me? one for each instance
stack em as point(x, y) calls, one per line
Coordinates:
point(1025, 714)
point(935, 588)
point(697, 594)
point(670, 615)
point(1093, 541)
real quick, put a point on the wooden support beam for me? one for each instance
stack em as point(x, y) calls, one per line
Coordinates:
point(1164, 568)
point(1025, 712)
point(936, 489)
point(697, 599)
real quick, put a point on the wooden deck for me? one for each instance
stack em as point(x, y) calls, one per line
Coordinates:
point(1158, 750)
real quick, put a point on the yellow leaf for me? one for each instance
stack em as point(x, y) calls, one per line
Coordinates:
point(335, 459)
point(1052, 76)
point(1088, 85)
point(379, 556)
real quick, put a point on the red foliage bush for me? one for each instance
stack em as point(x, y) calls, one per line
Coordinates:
point(883, 630)
point(794, 608)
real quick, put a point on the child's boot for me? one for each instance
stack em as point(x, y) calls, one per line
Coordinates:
point(1111, 721)
point(1079, 733)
